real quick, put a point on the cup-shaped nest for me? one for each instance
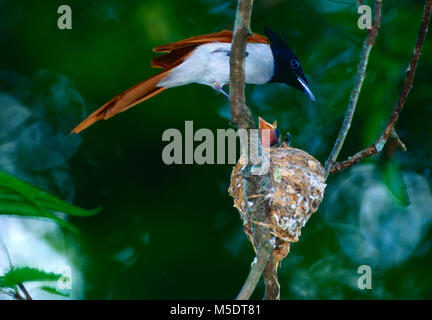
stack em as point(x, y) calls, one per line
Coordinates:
point(293, 191)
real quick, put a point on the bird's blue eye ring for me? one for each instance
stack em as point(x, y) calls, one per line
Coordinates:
point(295, 64)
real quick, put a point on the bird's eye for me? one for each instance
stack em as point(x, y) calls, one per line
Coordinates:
point(295, 64)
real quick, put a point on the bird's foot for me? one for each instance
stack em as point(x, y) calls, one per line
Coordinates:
point(218, 88)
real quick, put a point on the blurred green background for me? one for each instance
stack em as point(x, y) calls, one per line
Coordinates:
point(171, 232)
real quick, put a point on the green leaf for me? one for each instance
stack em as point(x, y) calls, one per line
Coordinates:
point(18, 275)
point(54, 291)
point(21, 208)
point(21, 198)
point(392, 178)
point(42, 197)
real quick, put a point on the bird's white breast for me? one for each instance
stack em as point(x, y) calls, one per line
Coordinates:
point(209, 64)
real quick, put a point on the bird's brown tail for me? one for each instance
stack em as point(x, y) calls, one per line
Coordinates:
point(125, 100)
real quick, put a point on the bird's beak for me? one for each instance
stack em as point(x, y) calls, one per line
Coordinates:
point(273, 135)
point(306, 88)
point(262, 124)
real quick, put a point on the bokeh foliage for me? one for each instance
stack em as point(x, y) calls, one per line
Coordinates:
point(23, 199)
point(171, 231)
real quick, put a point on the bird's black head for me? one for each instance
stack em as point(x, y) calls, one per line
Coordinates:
point(287, 66)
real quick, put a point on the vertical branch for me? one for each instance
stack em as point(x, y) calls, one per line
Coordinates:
point(241, 116)
point(271, 282)
point(355, 93)
point(260, 263)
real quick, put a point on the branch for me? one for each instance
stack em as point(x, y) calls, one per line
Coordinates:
point(395, 142)
point(261, 261)
point(389, 129)
point(355, 93)
point(14, 293)
point(241, 116)
point(271, 282)
point(7, 253)
point(24, 290)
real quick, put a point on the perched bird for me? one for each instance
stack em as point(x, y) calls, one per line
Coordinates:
point(205, 60)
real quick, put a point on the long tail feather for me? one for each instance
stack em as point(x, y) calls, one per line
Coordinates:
point(125, 100)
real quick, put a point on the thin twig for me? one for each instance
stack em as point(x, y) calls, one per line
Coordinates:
point(7, 253)
point(355, 93)
point(24, 290)
point(396, 140)
point(376, 147)
point(17, 296)
point(14, 294)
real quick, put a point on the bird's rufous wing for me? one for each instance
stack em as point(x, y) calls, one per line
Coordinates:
point(181, 49)
point(222, 36)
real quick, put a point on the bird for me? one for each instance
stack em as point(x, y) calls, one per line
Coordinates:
point(204, 60)
point(274, 137)
point(274, 133)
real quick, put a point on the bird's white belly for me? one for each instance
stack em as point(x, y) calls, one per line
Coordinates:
point(209, 64)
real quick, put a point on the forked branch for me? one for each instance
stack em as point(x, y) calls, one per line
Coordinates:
point(389, 131)
point(355, 93)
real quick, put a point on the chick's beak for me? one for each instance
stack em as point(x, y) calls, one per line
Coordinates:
point(274, 132)
point(306, 88)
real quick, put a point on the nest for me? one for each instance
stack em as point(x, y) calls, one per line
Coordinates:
point(293, 190)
